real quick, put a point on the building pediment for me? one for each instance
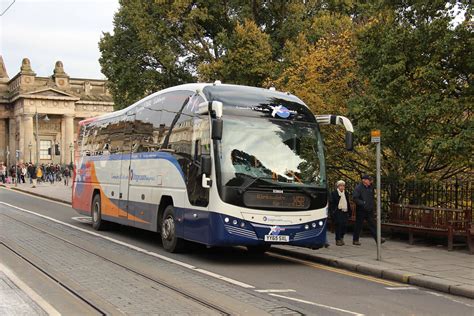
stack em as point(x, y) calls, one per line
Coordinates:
point(50, 92)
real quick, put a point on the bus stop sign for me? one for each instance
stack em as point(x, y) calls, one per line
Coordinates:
point(375, 136)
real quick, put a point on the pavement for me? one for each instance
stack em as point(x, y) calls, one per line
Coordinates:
point(425, 265)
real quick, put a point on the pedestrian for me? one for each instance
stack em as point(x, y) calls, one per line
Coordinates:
point(340, 210)
point(31, 170)
point(23, 173)
point(34, 174)
point(3, 172)
point(39, 173)
point(66, 175)
point(364, 198)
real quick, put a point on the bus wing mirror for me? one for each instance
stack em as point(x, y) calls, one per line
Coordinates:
point(217, 125)
point(206, 164)
point(349, 141)
point(339, 120)
point(211, 106)
point(206, 167)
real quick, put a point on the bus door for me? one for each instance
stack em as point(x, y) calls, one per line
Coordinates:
point(125, 168)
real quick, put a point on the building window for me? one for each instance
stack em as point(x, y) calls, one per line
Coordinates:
point(45, 149)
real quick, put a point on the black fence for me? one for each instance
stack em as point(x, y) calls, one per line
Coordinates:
point(451, 194)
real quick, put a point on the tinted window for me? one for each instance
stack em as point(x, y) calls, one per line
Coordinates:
point(259, 102)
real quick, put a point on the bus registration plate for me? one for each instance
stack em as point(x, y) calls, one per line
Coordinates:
point(277, 238)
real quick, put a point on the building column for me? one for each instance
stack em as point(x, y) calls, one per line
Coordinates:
point(21, 139)
point(3, 140)
point(28, 144)
point(11, 140)
point(69, 133)
point(63, 142)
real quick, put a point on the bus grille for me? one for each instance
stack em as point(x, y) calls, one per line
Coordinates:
point(241, 232)
point(307, 234)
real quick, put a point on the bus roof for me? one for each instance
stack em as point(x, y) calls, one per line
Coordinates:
point(196, 87)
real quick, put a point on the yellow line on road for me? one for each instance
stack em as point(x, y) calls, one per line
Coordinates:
point(336, 270)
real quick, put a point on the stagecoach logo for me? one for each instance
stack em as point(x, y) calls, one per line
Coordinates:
point(281, 111)
point(275, 230)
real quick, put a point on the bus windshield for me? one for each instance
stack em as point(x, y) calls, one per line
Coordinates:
point(267, 152)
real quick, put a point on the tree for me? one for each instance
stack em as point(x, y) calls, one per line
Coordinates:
point(248, 58)
point(157, 44)
point(324, 76)
point(418, 67)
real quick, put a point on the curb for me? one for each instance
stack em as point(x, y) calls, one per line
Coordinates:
point(401, 276)
point(36, 194)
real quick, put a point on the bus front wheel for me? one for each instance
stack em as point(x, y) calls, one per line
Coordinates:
point(97, 222)
point(169, 239)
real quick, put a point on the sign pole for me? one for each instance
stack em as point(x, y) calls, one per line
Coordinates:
point(376, 139)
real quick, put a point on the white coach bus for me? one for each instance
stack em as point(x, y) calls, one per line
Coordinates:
point(216, 164)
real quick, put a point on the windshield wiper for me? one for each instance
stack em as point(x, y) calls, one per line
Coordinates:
point(245, 187)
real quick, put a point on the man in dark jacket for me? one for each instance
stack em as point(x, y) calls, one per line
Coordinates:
point(32, 170)
point(364, 198)
point(340, 210)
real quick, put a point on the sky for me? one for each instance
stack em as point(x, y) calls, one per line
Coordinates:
point(46, 31)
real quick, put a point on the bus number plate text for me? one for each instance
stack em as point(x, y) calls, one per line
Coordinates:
point(277, 238)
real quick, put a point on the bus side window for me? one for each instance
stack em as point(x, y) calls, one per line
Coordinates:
point(147, 127)
point(175, 113)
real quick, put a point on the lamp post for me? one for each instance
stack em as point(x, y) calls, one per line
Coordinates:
point(30, 146)
point(46, 119)
point(71, 148)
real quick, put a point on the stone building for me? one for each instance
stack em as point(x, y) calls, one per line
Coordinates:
point(57, 103)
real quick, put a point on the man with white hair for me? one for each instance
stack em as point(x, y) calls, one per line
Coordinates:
point(340, 209)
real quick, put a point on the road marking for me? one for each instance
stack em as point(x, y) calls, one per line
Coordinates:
point(275, 291)
point(336, 270)
point(29, 291)
point(401, 288)
point(150, 253)
point(449, 298)
point(83, 219)
point(316, 304)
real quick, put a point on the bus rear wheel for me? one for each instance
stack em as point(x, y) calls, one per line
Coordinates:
point(169, 239)
point(97, 222)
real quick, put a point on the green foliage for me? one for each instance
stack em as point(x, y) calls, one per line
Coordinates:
point(248, 59)
point(418, 73)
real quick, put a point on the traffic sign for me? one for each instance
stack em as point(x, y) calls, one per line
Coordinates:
point(375, 136)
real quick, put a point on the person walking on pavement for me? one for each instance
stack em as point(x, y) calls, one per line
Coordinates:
point(34, 174)
point(23, 173)
point(3, 172)
point(340, 210)
point(39, 173)
point(31, 170)
point(66, 174)
point(364, 198)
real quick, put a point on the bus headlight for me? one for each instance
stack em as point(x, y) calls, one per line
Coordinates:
point(321, 223)
point(234, 222)
point(226, 219)
point(306, 226)
point(314, 225)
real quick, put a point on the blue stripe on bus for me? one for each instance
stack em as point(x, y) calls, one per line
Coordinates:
point(139, 156)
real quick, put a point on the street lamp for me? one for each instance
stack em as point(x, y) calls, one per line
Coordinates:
point(30, 146)
point(71, 148)
point(46, 119)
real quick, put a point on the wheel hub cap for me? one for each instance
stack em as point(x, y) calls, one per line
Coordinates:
point(168, 228)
